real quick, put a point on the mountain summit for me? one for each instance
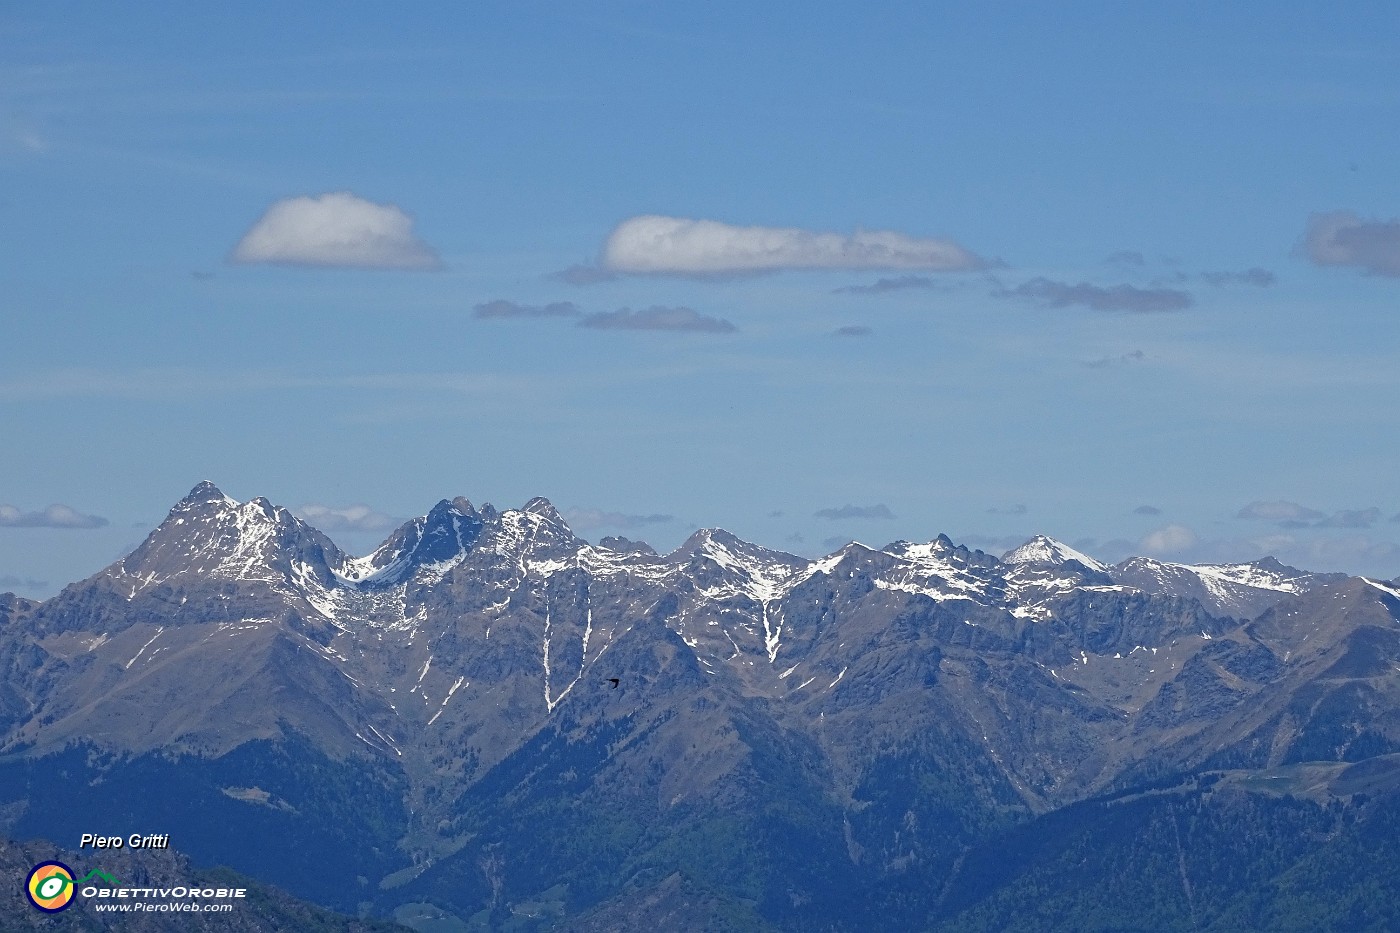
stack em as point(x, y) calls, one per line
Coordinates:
point(1045, 550)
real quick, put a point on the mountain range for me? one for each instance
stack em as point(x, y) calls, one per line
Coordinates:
point(489, 723)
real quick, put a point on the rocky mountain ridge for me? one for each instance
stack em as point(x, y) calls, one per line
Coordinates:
point(483, 668)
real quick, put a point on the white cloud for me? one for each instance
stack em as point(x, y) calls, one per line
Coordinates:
point(350, 518)
point(1169, 539)
point(336, 229)
point(656, 245)
point(31, 141)
point(55, 516)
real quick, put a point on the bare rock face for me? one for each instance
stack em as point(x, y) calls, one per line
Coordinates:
point(491, 715)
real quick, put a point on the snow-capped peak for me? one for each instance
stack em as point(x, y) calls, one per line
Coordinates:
point(1264, 574)
point(544, 509)
point(210, 534)
point(436, 541)
point(203, 492)
point(1256, 574)
point(1046, 550)
point(755, 570)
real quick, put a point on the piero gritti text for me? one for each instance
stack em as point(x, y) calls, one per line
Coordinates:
point(134, 841)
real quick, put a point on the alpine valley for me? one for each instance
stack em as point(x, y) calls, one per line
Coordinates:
point(489, 723)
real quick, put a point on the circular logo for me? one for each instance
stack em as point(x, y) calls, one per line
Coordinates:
point(50, 886)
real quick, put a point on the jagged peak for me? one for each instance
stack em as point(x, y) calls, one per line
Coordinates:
point(439, 538)
point(543, 507)
point(853, 551)
point(1274, 565)
point(272, 513)
point(1138, 561)
point(938, 546)
point(538, 511)
point(206, 504)
point(447, 508)
point(702, 536)
point(210, 534)
point(711, 540)
point(623, 545)
point(205, 492)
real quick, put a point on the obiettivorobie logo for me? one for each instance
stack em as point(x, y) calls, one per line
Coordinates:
point(50, 885)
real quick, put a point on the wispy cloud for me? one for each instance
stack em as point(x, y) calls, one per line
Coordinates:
point(844, 512)
point(583, 275)
point(1128, 298)
point(1292, 515)
point(1126, 257)
point(335, 229)
point(1017, 509)
point(1341, 238)
point(1351, 553)
point(1104, 362)
point(1259, 278)
point(349, 518)
point(1279, 511)
point(1351, 518)
point(657, 245)
point(901, 283)
point(1147, 510)
point(589, 519)
point(658, 318)
point(993, 544)
point(184, 383)
point(55, 516)
point(501, 308)
point(852, 330)
point(28, 583)
point(1168, 540)
point(29, 140)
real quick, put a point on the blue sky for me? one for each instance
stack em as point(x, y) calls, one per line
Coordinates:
point(1124, 274)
